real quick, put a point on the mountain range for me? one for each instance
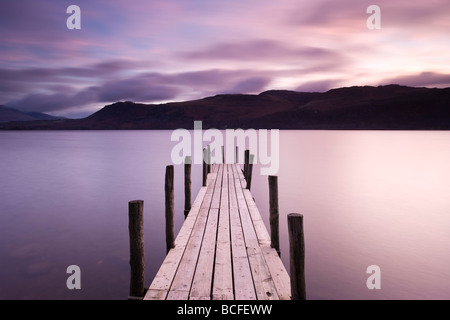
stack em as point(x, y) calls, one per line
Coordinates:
point(391, 107)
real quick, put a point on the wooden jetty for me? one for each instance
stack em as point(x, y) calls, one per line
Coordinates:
point(223, 250)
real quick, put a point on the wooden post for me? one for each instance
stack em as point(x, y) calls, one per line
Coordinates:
point(137, 260)
point(249, 172)
point(237, 155)
point(223, 154)
point(187, 185)
point(274, 214)
point(246, 160)
point(168, 186)
point(297, 256)
point(205, 169)
point(208, 148)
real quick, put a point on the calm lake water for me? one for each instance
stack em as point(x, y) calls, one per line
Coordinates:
point(368, 198)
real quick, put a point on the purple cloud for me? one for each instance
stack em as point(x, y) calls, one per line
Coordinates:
point(260, 49)
point(318, 86)
point(250, 85)
point(43, 102)
point(424, 79)
point(136, 89)
point(147, 87)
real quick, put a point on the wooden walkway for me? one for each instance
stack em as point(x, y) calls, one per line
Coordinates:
point(222, 251)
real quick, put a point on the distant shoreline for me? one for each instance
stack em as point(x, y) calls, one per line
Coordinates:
point(391, 107)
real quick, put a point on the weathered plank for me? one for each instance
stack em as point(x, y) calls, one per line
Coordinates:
point(183, 278)
point(223, 271)
point(278, 272)
point(164, 277)
point(243, 280)
point(203, 277)
point(258, 223)
point(264, 286)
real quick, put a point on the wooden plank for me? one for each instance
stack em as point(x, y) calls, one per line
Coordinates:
point(279, 274)
point(200, 298)
point(178, 295)
point(238, 174)
point(264, 286)
point(215, 203)
point(251, 238)
point(182, 281)
point(155, 294)
point(258, 223)
point(203, 277)
point(243, 281)
point(277, 270)
point(164, 277)
point(275, 265)
point(223, 270)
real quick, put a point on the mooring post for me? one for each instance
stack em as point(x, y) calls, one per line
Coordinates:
point(223, 154)
point(187, 185)
point(208, 158)
point(137, 260)
point(168, 186)
point(249, 172)
point(274, 214)
point(246, 160)
point(205, 169)
point(297, 256)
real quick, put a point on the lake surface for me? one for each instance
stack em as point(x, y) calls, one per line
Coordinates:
point(368, 198)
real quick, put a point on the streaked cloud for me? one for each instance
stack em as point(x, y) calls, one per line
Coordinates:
point(318, 86)
point(260, 49)
point(424, 79)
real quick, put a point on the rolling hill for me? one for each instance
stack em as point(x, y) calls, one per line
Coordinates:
point(391, 107)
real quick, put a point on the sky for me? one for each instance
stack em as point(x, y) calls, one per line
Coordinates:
point(156, 51)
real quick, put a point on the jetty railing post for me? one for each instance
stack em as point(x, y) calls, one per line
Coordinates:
point(274, 214)
point(168, 186)
point(187, 185)
point(249, 172)
point(137, 259)
point(297, 256)
point(205, 172)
